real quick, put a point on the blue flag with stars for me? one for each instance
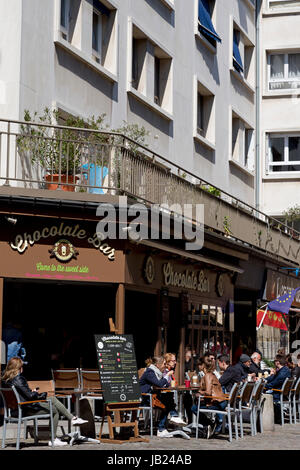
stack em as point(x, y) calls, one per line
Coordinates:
point(283, 304)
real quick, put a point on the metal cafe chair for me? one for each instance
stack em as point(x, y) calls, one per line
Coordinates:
point(13, 413)
point(147, 411)
point(258, 401)
point(90, 382)
point(66, 379)
point(246, 403)
point(285, 398)
point(296, 400)
point(231, 410)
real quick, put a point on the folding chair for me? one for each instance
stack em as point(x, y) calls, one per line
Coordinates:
point(285, 398)
point(13, 406)
point(296, 400)
point(232, 410)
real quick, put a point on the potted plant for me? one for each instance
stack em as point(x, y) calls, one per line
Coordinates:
point(59, 151)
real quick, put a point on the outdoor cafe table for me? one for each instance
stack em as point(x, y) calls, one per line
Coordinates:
point(178, 394)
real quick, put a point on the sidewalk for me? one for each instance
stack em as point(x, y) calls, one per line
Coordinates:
point(283, 438)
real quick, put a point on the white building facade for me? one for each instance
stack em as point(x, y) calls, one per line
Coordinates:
point(280, 106)
point(183, 69)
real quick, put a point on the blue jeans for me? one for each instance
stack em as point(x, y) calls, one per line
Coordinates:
point(162, 422)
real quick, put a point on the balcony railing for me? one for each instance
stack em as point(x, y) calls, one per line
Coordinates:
point(39, 156)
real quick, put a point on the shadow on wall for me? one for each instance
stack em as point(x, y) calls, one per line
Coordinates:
point(163, 11)
point(81, 70)
point(243, 8)
point(210, 60)
point(205, 152)
point(247, 179)
point(152, 118)
point(241, 89)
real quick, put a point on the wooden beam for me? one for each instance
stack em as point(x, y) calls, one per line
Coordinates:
point(120, 310)
point(2, 349)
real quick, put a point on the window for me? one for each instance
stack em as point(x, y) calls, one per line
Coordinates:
point(242, 142)
point(205, 117)
point(97, 33)
point(284, 71)
point(64, 19)
point(283, 153)
point(278, 4)
point(237, 59)
point(200, 106)
point(104, 35)
point(243, 55)
point(205, 24)
point(151, 70)
point(157, 81)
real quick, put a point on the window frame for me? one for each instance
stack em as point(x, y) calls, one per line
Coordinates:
point(97, 52)
point(285, 78)
point(280, 8)
point(64, 29)
point(286, 162)
point(246, 136)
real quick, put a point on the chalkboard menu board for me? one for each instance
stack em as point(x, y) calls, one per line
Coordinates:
point(117, 366)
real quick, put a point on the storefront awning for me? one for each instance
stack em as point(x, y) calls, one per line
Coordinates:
point(188, 255)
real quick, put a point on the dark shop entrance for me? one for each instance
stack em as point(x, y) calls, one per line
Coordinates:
point(58, 322)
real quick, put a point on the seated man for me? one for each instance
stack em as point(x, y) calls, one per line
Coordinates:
point(276, 380)
point(255, 364)
point(233, 374)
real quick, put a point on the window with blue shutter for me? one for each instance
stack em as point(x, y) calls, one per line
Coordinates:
point(237, 60)
point(205, 23)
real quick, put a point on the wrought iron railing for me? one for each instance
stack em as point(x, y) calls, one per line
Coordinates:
point(41, 156)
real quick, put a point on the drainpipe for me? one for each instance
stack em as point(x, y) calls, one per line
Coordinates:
point(257, 106)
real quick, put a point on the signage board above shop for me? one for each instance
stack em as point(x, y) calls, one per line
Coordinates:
point(278, 284)
point(63, 251)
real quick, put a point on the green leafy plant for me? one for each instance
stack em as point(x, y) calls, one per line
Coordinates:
point(211, 189)
point(58, 150)
point(226, 225)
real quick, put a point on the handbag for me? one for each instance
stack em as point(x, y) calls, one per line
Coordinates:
point(156, 402)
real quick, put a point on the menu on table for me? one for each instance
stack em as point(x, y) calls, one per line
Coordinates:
point(118, 369)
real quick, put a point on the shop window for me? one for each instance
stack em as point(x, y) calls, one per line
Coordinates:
point(283, 153)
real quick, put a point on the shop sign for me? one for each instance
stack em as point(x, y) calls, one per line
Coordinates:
point(273, 319)
point(23, 241)
point(149, 271)
point(187, 279)
point(279, 284)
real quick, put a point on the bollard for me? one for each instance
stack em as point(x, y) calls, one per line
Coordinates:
point(268, 412)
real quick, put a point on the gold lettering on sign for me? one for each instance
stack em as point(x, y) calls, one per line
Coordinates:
point(187, 280)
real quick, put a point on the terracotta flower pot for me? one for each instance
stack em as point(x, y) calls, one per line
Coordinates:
point(53, 181)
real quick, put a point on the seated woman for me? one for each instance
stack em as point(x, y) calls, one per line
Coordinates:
point(216, 400)
point(170, 364)
point(13, 376)
point(153, 376)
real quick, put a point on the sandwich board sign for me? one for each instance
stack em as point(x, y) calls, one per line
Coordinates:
point(117, 367)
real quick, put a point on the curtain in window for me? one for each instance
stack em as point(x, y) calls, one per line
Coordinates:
point(237, 60)
point(204, 18)
point(277, 66)
point(294, 65)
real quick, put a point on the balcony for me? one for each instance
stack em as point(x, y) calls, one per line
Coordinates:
point(40, 161)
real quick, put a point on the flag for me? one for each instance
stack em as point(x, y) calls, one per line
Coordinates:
point(283, 304)
point(271, 318)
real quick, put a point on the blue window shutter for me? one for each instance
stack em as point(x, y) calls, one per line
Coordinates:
point(237, 60)
point(101, 7)
point(204, 18)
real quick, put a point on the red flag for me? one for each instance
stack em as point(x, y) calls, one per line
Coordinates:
point(274, 319)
